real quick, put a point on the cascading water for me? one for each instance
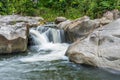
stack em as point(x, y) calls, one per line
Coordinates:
point(53, 35)
point(47, 39)
point(38, 38)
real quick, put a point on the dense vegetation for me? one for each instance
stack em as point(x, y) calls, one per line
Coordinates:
point(52, 8)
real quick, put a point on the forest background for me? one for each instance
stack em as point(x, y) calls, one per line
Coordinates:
point(49, 9)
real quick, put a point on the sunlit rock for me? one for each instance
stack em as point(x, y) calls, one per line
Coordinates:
point(101, 48)
point(79, 28)
point(13, 38)
point(13, 19)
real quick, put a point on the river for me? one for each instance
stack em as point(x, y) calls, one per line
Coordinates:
point(45, 60)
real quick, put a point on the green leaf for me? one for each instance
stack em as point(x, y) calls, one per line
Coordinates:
point(61, 0)
point(1, 4)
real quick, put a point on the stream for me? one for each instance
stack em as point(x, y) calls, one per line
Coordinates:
point(45, 60)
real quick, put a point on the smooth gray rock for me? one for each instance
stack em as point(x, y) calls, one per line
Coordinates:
point(13, 38)
point(63, 24)
point(101, 48)
point(79, 28)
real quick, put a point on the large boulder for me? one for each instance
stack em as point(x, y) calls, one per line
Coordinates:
point(79, 28)
point(101, 48)
point(14, 31)
point(82, 27)
point(13, 38)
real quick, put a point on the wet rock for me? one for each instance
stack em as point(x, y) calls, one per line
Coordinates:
point(13, 38)
point(100, 48)
point(60, 19)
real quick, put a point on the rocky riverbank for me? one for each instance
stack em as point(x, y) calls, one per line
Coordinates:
point(82, 27)
point(95, 42)
point(14, 31)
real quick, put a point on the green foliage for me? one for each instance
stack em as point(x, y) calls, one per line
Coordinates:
point(52, 8)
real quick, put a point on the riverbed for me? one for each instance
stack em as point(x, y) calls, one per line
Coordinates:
point(45, 60)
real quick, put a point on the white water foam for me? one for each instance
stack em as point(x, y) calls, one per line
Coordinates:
point(57, 50)
point(40, 38)
point(57, 53)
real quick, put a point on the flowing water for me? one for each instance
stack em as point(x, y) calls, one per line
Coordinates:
point(45, 60)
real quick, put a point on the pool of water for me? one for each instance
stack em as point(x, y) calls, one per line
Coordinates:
point(29, 66)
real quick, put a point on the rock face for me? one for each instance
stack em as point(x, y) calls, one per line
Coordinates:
point(79, 28)
point(14, 31)
point(13, 19)
point(101, 48)
point(112, 15)
point(82, 27)
point(13, 38)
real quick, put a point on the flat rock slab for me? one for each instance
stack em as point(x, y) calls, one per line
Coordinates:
point(13, 19)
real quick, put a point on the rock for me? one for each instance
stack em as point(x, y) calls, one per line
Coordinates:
point(104, 21)
point(13, 38)
point(108, 15)
point(100, 48)
point(59, 20)
point(112, 15)
point(76, 23)
point(116, 14)
point(14, 32)
point(80, 28)
point(63, 25)
point(13, 19)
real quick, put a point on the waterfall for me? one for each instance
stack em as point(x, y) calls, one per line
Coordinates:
point(43, 35)
point(49, 41)
point(53, 35)
point(38, 38)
